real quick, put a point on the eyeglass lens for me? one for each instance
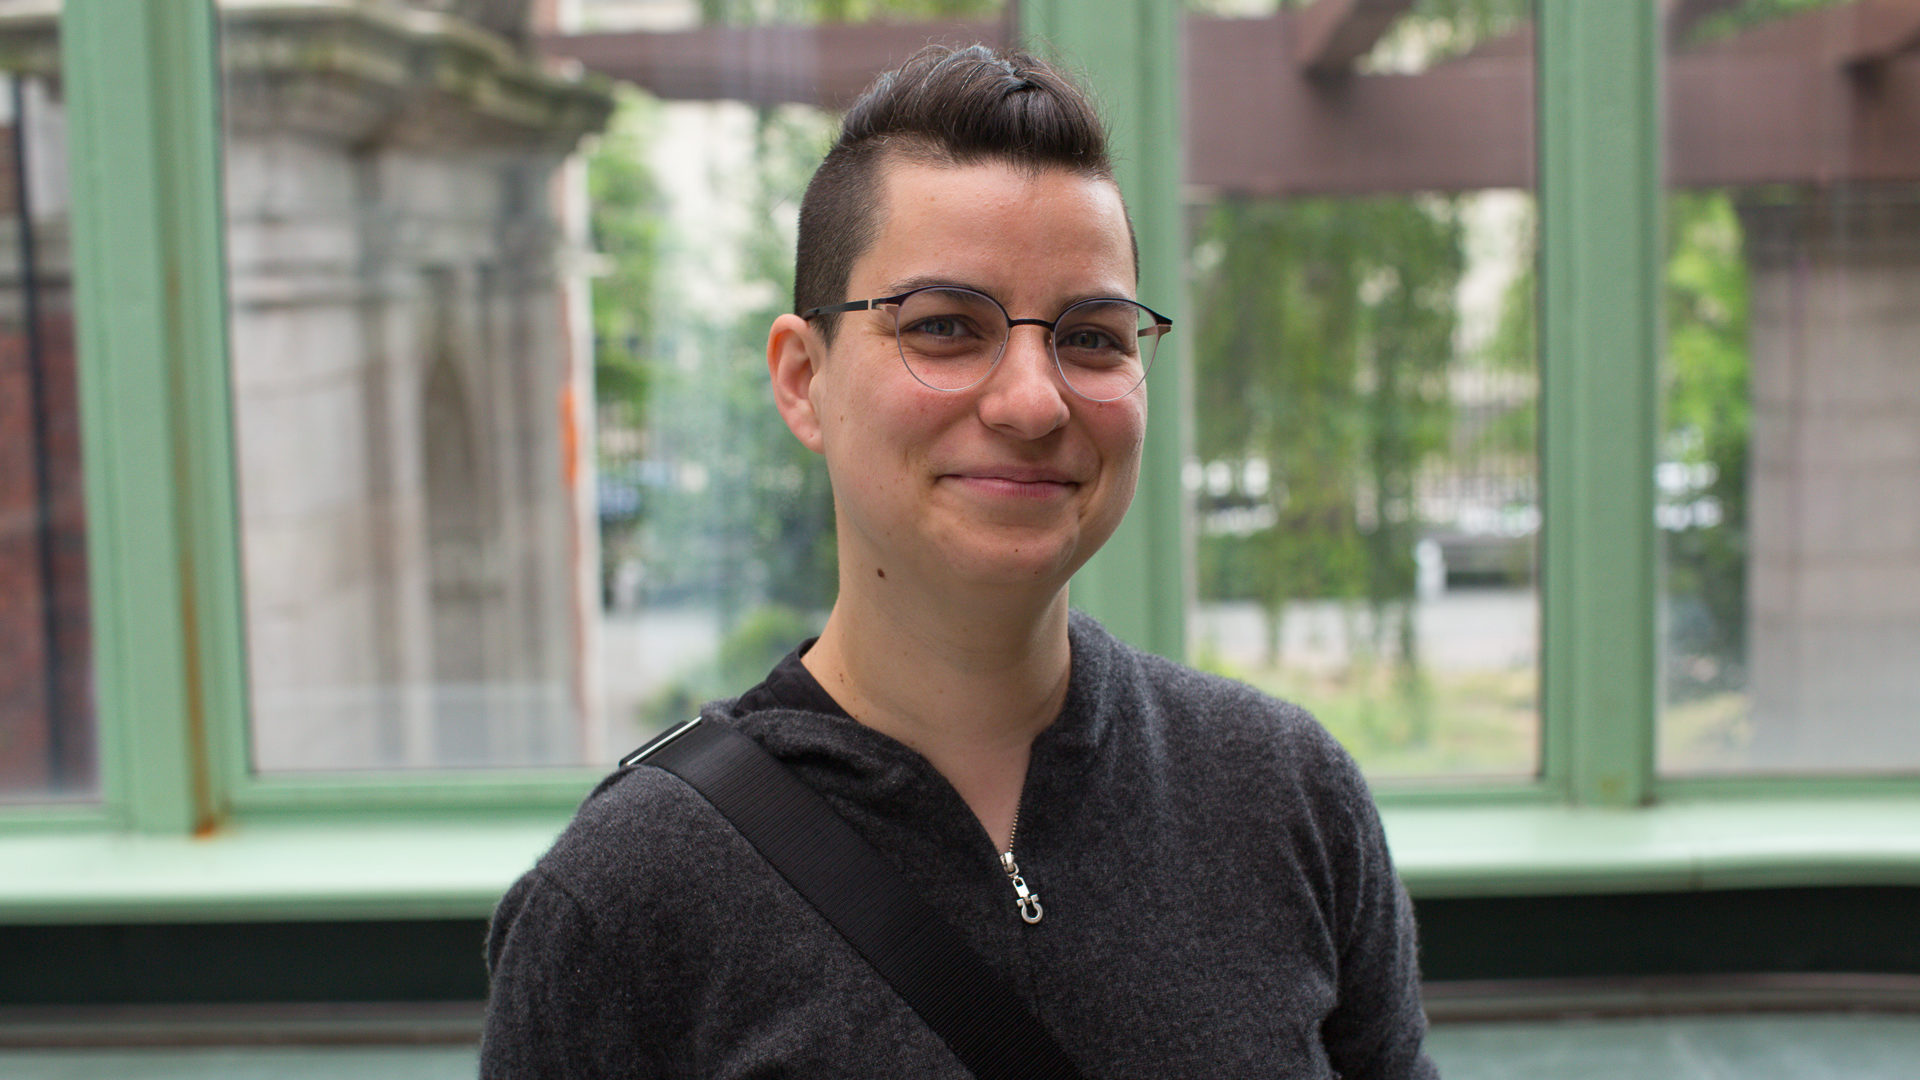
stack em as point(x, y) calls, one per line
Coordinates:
point(951, 339)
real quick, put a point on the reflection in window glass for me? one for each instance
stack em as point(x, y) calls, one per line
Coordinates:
point(1365, 480)
point(46, 699)
point(406, 365)
point(716, 525)
point(493, 516)
point(1791, 462)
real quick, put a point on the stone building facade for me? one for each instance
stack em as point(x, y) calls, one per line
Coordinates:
point(407, 362)
point(407, 386)
point(1834, 561)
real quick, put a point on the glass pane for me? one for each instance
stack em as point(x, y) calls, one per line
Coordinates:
point(406, 372)
point(1365, 482)
point(46, 665)
point(716, 525)
point(1790, 478)
point(513, 491)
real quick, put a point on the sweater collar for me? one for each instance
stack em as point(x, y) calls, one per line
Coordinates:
point(842, 756)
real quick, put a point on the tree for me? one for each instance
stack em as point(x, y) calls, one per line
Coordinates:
point(1325, 334)
point(1709, 413)
point(725, 510)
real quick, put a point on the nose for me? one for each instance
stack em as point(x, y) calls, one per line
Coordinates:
point(1023, 395)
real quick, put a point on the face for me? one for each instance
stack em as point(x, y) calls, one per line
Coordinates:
point(1016, 481)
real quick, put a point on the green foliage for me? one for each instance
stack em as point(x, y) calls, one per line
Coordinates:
point(757, 523)
point(757, 642)
point(1479, 723)
point(734, 512)
point(1750, 13)
point(1515, 347)
point(627, 227)
point(1709, 419)
point(1325, 337)
point(1325, 342)
point(1440, 30)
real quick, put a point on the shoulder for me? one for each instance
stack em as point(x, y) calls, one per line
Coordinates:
point(632, 849)
point(636, 816)
point(593, 950)
point(1199, 715)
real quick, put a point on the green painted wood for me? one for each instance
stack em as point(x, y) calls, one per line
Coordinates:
point(43, 817)
point(1789, 788)
point(391, 797)
point(147, 281)
point(188, 123)
point(1600, 317)
point(458, 863)
point(456, 867)
point(166, 575)
point(1139, 584)
point(1718, 843)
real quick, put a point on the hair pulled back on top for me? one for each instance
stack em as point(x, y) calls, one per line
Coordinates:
point(944, 107)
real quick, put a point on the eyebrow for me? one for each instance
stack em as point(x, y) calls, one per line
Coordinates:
point(933, 281)
point(925, 281)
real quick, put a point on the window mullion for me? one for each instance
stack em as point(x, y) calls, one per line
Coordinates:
point(1600, 224)
point(141, 86)
point(1139, 583)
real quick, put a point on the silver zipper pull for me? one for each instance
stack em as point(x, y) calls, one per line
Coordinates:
point(1027, 900)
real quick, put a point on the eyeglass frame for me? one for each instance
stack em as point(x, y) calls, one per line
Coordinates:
point(1161, 326)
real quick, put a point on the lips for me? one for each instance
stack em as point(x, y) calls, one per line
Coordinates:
point(1020, 474)
point(1017, 482)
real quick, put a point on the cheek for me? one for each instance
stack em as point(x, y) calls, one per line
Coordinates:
point(1122, 431)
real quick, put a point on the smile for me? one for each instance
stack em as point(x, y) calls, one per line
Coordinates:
point(1017, 484)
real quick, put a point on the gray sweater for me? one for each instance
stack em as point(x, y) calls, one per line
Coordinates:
point(1218, 903)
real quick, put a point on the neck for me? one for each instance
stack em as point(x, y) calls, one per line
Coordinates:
point(968, 687)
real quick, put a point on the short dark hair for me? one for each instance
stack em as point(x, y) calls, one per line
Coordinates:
point(945, 107)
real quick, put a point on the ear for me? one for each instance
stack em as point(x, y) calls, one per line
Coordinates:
point(794, 353)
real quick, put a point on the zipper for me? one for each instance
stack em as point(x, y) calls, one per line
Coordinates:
point(1024, 898)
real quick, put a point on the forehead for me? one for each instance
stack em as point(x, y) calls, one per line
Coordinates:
point(998, 227)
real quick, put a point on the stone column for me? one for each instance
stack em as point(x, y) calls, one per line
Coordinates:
point(401, 519)
point(1834, 557)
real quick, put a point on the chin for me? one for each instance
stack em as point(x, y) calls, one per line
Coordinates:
point(1036, 565)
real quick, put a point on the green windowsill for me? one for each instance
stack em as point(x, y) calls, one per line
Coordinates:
point(1678, 845)
point(278, 871)
point(321, 870)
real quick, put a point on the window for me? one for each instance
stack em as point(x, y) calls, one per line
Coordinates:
point(46, 665)
point(1365, 383)
point(1790, 460)
point(418, 373)
point(407, 392)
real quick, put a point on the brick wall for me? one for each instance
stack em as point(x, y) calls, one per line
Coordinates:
point(46, 695)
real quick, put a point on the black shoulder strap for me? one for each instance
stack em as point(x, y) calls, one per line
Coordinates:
point(925, 959)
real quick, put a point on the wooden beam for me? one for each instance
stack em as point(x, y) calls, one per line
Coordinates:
point(1256, 127)
point(1774, 104)
point(1332, 34)
point(1882, 32)
point(826, 65)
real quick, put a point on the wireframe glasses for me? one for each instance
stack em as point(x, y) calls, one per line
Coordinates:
point(952, 338)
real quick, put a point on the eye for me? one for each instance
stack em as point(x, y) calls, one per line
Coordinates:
point(1091, 346)
point(1089, 338)
point(939, 326)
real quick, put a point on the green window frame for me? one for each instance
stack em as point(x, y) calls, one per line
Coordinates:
point(183, 831)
